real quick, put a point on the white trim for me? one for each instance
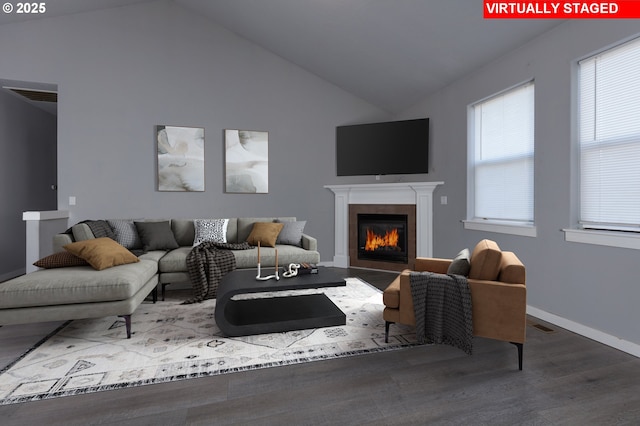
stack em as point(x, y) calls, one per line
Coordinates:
point(502, 228)
point(629, 240)
point(46, 215)
point(591, 333)
point(419, 194)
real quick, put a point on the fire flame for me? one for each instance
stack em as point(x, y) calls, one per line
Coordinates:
point(389, 239)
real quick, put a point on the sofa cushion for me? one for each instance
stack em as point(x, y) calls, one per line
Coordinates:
point(81, 232)
point(89, 229)
point(183, 231)
point(156, 235)
point(78, 284)
point(265, 233)
point(460, 264)
point(291, 233)
point(210, 230)
point(126, 233)
point(286, 254)
point(62, 259)
point(101, 253)
point(485, 261)
point(175, 260)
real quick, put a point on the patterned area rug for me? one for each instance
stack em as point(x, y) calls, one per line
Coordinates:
point(172, 341)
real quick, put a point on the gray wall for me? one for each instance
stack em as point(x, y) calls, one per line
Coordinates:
point(122, 71)
point(593, 286)
point(27, 170)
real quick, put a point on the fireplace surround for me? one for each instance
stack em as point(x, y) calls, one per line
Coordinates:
point(419, 195)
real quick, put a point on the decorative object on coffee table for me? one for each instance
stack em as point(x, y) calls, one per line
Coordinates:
point(296, 269)
point(259, 277)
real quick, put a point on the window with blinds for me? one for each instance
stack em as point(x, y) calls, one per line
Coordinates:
point(502, 153)
point(609, 137)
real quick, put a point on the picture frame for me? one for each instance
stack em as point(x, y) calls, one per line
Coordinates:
point(180, 152)
point(246, 161)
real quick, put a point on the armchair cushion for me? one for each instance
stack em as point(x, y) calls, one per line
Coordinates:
point(485, 261)
point(512, 270)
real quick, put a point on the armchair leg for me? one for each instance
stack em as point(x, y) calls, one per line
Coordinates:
point(520, 347)
point(386, 331)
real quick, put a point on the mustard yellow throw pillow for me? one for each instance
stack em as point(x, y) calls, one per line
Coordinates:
point(101, 253)
point(265, 232)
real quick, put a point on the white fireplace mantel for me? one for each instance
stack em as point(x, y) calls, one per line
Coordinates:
point(419, 194)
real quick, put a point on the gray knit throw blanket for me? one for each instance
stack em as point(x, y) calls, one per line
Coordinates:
point(442, 306)
point(207, 263)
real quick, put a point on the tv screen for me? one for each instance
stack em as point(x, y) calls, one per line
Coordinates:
point(394, 147)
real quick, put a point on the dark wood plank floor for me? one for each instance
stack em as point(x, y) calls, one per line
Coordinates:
point(567, 380)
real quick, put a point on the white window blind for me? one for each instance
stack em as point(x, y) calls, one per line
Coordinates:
point(503, 149)
point(609, 136)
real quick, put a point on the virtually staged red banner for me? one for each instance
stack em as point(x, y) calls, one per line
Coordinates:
point(624, 9)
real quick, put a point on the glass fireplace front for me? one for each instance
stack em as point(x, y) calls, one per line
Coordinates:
point(382, 237)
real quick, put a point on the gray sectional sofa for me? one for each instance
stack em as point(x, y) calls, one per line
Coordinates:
point(82, 292)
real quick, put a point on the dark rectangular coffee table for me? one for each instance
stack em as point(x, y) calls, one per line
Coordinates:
point(276, 314)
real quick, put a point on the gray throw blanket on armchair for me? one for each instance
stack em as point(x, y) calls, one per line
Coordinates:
point(207, 263)
point(442, 307)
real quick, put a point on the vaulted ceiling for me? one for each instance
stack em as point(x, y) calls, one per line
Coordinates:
point(391, 53)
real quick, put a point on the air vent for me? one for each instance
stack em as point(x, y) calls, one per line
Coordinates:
point(36, 95)
point(540, 327)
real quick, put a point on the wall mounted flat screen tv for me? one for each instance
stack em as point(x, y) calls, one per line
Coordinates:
point(394, 147)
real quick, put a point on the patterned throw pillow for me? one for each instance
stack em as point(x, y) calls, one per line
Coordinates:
point(210, 230)
point(126, 233)
point(61, 259)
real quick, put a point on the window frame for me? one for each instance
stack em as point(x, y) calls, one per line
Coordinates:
point(513, 227)
point(586, 232)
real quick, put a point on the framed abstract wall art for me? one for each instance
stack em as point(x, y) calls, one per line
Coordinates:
point(246, 161)
point(180, 158)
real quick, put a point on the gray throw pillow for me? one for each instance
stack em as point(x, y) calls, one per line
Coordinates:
point(460, 264)
point(156, 236)
point(291, 233)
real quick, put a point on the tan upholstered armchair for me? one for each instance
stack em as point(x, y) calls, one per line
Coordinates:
point(498, 294)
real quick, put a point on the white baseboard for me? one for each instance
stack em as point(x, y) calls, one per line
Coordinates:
point(583, 330)
point(12, 274)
